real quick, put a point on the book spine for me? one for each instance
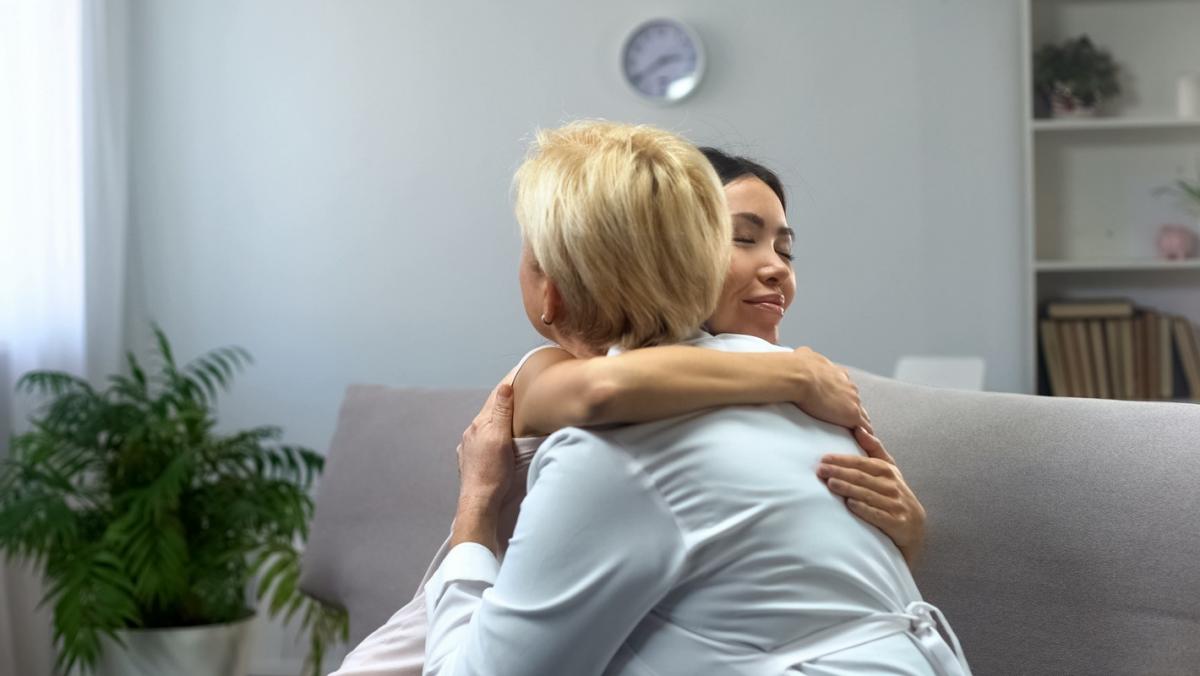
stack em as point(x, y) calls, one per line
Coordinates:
point(1138, 326)
point(1116, 372)
point(1195, 395)
point(1066, 342)
point(1166, 360)
point(1150, 358)
point(1052, 357)
point(1185, 347)
point(1099, 359)
point(1127, 358)
point(1083, 346)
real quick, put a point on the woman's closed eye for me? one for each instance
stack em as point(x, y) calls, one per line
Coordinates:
point(750, 241)
point(783, 246)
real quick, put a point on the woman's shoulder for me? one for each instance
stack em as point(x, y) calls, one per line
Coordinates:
point(537, 359)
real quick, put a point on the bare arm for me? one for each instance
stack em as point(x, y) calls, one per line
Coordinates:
point(554, 390)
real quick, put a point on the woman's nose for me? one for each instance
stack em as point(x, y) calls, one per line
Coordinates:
point(773, 271)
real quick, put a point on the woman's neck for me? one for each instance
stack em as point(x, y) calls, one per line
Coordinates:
point(578, 348)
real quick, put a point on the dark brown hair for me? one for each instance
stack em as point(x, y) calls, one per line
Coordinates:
point(732, 167)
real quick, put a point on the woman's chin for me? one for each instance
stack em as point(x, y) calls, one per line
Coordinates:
point(766, 328)
point(766, 331)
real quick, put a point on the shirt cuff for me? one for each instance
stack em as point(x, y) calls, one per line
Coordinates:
point(466, 562)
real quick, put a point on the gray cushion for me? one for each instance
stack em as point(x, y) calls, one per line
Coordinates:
point(1063, 533)
point(386, 498)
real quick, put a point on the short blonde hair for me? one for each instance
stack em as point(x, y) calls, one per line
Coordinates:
point(630, 223)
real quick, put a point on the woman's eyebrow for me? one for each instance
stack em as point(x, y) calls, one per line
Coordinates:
point(754, 219)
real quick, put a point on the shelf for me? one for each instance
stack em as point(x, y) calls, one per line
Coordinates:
point(1143, 401)
point(1116, 265)
point(1114, 124)
point(1090, 201)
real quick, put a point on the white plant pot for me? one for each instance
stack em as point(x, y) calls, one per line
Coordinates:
point(1064, 104)
point(208, 650)
point(1070, 110)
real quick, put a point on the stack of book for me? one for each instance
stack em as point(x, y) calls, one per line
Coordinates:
point(1112, 350)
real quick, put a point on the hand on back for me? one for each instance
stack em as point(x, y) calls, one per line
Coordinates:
point(828, 394)
point(876, 491)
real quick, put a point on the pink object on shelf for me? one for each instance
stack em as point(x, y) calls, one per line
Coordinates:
point(1176, 242)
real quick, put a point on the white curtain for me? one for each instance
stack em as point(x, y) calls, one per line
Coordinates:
point(105, 73)
point(62, 231)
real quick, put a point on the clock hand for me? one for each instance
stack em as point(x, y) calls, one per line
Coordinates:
point(658, 63)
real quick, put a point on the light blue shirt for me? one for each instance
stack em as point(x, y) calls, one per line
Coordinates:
point(702, 544)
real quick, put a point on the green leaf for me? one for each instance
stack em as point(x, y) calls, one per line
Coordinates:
point(326, 625)
point(164, 347)
point(201, 377)
point(277, 568)
point(1191, 191)
point(139, 376)
point(53, 383)
point(91, 598)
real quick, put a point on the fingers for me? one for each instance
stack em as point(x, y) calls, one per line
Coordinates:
point(873, 515)
point(872, 445)
point(864, 419)
point(880, 485)
point(848, 490)
point(873, 466)
point(502, 409)
point(865, 424)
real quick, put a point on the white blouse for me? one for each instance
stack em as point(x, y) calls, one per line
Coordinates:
point(702, 544)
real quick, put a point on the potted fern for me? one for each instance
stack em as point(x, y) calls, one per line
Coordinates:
point(1074, 78)
point(150, 527)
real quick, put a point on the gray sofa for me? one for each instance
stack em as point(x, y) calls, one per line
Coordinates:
point(1063, 534)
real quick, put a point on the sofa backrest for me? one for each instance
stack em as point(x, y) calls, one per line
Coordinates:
point(1063, 534)
point(386, 498)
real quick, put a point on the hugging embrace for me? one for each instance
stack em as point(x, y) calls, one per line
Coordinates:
point(663, 489)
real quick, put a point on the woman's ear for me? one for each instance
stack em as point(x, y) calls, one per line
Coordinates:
point(552, 302)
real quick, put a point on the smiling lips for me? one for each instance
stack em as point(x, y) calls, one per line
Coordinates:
point(771, 302)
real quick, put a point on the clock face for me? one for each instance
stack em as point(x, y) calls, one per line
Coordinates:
point(663, 60)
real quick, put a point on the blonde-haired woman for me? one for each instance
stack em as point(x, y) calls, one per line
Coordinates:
point(613, 521)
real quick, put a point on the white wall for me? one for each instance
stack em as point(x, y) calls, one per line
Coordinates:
point(326, 183)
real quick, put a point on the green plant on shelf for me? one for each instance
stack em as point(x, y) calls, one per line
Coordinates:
point(1075, 75)
point(141, 515)
point(1189, 193)
point(1186, 191)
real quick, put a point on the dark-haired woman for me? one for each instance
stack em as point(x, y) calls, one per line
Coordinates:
point(660, 382)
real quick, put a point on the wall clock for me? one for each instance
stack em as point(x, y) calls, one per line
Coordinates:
point(662, 60)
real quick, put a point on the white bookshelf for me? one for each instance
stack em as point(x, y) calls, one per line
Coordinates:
point(1116, 265)
point(1114, 123)
point(1091, 213)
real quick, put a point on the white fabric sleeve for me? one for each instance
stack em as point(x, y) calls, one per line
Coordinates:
point(395, 649)
point(595, 549)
